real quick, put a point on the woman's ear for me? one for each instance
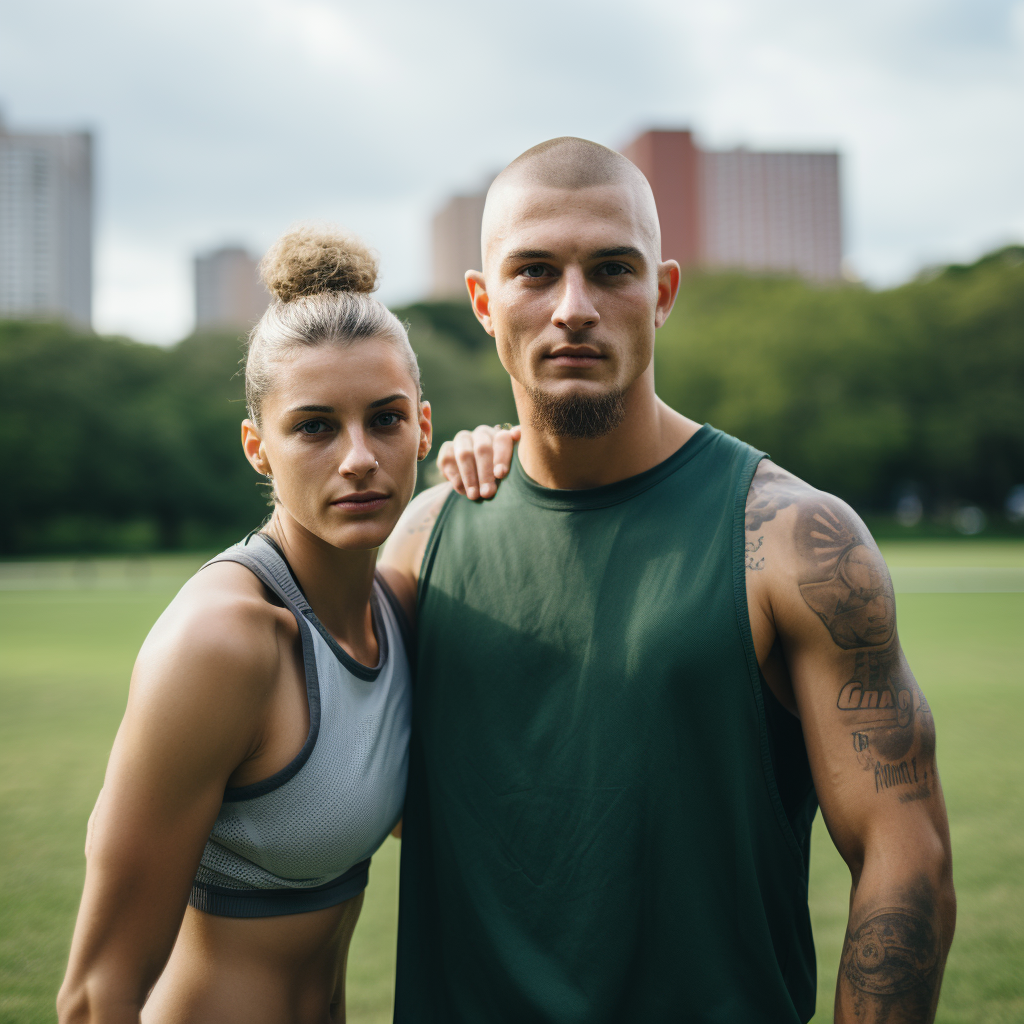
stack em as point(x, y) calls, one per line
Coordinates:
point(426, 431)
point(252, 445)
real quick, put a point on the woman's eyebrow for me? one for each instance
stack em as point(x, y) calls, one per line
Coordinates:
point(312, 408)
point(390, 398)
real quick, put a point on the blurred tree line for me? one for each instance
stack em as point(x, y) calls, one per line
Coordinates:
point(114, 445)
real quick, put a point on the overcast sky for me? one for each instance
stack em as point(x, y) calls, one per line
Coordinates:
point(225, 121)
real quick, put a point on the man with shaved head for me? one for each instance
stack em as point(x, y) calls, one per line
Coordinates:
point(641, 666)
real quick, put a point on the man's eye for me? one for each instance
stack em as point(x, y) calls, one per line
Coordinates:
point(535, 270)
point(614, 269)
point(313, 427)
point(387, 419)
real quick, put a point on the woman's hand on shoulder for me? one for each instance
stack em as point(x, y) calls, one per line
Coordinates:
point(475, 460)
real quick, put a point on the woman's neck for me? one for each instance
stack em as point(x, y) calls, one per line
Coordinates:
point(337, 584)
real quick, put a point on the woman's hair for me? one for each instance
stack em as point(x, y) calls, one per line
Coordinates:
point(320, 281)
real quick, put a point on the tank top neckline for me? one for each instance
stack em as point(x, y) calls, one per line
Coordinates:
point(563, 500)
point(369, 673)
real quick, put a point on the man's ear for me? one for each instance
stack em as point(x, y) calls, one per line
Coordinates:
point(668, 288)
point(252, 445)
point(478, 299)
point(426, 431)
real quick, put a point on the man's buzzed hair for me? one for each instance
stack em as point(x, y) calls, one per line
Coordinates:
point(568, 162)
point(571, 163)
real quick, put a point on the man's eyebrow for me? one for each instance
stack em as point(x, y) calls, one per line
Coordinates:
point(617, 250)
point(391, 398)
point(528, 254)
point(630, 251)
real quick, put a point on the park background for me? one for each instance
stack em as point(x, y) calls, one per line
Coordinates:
point(899, 388)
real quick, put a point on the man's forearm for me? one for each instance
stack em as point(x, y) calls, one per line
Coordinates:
point(895, 951)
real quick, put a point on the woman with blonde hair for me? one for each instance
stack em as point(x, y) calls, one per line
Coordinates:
point(263, 753)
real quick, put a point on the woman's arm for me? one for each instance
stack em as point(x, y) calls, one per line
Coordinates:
point(195, 710)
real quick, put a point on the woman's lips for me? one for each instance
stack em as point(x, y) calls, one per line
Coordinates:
point(365, 501)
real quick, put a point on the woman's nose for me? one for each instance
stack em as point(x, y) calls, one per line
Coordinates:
point(359, 460)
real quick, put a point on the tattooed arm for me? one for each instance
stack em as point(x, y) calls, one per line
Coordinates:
point(402, 556)
point(823, 615)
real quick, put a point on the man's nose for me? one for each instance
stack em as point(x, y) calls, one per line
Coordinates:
point(575, 310)
point(359, 460)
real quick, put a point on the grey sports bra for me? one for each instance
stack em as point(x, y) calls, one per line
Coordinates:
point(302, 839)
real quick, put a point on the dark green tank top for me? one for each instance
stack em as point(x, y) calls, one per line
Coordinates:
point(608, 812)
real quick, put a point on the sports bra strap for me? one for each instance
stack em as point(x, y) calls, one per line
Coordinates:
point(259, 556)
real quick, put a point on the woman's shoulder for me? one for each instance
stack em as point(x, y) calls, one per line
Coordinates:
point(220, 633)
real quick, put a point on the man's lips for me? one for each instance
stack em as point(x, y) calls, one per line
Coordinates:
point(574, 355)
point(361, 501)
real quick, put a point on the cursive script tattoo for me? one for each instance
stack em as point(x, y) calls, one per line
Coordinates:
point(751, 549)
point(884, 703)
point(771, 490)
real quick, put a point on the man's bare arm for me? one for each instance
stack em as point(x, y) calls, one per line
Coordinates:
point(402, 556)
point(818, 582)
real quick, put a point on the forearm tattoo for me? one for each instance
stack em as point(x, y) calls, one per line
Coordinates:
point(891, 963)
point(892, 959)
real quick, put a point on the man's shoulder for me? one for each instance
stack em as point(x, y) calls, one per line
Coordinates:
point(403, 553)
point(798, 534)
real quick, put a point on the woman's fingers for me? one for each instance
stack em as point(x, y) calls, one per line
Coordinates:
point(504, 441)
point(474, 462)
point(483, 456)
point(465, 461)
point(449, 466)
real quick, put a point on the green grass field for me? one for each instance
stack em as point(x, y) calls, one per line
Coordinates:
point(69, 633)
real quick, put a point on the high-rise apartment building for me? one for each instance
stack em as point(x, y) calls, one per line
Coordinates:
point(733, 209)
point(229, 293)
point(46, 225)
point(762, 212)
point(456, 243)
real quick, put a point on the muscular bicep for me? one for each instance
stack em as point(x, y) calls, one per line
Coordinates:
point(868, 727)
point(192, 717)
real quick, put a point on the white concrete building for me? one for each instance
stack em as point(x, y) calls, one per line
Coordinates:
point(456, 245)
point(229, 293)
point(46, 226)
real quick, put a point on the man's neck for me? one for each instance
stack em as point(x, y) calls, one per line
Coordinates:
point(649, 433)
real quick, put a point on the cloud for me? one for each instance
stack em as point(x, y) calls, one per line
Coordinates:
point(230, 119)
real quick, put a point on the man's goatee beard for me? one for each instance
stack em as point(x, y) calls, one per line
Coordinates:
point(579, 416)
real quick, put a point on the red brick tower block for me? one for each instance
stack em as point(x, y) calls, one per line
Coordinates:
point(671, 163)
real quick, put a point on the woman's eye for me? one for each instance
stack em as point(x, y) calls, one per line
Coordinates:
point(387, 419)
point(536, 270)
point(313, 427)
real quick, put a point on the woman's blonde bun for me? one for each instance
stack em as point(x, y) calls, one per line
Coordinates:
point(309, 260)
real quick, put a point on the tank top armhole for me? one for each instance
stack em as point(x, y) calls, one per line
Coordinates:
point(236, 794)
point(430, 552)
point(745, 475)
point(405, 627)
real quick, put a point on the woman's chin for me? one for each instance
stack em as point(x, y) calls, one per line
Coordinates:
point(358, 536)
